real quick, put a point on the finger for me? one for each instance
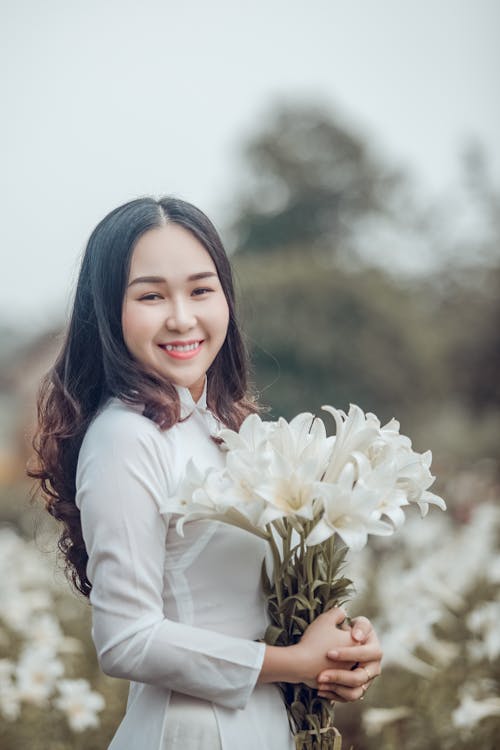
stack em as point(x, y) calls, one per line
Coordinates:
point(371, 669)
point(364, 653)
point(347, 678)
point(345, 694)
point(361, 629)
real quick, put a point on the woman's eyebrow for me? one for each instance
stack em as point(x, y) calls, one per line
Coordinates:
point(162, 280)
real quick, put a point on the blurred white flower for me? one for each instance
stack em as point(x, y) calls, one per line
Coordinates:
point(4, 638)
point(471, 711)
point(7, 667)
point(70, 645)
point(10, 706)
point(43, 633)
point(398, 648)
point(484, 621)
point(492, 572)
point(79, 703)
point(441, 651)
point(27, 607)
point(36, 675)
point(35, 572)
point(17, 605)
point(375, 719)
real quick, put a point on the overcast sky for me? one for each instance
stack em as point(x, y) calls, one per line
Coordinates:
point(105, 100)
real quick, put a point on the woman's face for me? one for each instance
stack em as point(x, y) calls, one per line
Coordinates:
point(165, 307)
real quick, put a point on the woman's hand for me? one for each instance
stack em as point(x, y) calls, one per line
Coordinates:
point(340, 663)
point(321, 636)
point(341, 683)
point(303, 661)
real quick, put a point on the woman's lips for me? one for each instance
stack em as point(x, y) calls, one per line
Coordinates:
point(176, 354)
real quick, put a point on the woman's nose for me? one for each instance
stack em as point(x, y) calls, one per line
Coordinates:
point(180, 317)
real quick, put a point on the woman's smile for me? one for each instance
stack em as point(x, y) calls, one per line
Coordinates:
point(182, 351)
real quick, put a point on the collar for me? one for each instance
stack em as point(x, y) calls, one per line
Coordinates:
point(189, 405)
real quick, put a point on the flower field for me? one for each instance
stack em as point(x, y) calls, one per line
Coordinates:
point(432, 590)
point(52, 693)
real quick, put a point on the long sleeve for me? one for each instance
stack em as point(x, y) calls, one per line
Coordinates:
point(122, 485)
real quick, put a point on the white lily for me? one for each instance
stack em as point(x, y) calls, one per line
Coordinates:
point(381, 480)
point(349, 512)
point(201, 494)
point(355, 433)
point(252, 434)
point(289, 491)
point(303, 441)
point(414, 477)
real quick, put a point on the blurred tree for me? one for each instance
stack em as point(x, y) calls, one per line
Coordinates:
point(468, 293)
point(310, 182)
point(324, 329)
point(470, 321)
point(321, 335)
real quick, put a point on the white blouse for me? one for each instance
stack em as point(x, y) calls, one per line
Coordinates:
point(172, 613)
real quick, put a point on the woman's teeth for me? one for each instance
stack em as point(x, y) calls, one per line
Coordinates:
point(185, 348)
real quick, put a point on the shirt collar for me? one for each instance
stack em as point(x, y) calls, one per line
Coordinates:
point(188, 404)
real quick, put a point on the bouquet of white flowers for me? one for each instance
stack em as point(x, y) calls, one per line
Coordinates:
point(311, 496)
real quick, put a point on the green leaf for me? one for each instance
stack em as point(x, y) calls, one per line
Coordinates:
point(303, 624)
point(264, 579)
point(273, 635)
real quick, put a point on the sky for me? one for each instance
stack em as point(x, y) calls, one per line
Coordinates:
point(107, 100)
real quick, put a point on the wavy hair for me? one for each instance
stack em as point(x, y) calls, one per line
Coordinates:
point(94, 363)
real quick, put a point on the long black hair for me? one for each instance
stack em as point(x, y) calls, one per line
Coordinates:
point(95, 364)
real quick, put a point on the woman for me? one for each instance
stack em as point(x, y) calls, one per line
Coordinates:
point(152, 365)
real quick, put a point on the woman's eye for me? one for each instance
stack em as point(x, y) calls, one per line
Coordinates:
point(152, 295)
point(201, 290)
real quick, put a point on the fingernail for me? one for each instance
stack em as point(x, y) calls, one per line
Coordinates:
point(333, 654)
point(358, 635)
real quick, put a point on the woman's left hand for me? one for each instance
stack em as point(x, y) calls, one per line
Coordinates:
point(343, 684)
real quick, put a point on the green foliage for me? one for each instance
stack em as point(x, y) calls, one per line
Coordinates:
point(326, 336)
point(306, 582)
point(319, 334)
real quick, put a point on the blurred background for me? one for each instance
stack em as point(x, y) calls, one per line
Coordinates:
point(349, 154)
